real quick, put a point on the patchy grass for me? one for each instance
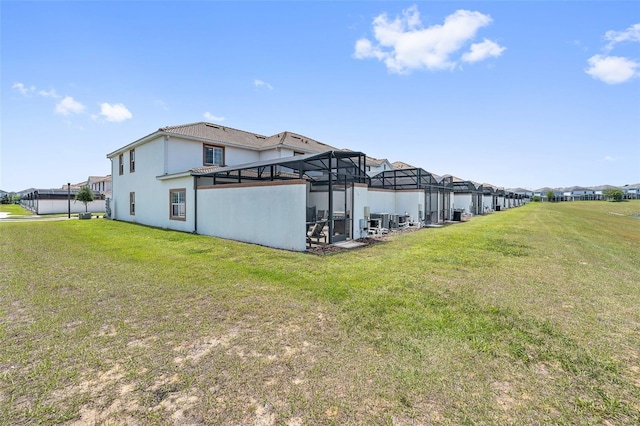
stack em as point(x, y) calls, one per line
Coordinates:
point(524, 316)
point(14, 210)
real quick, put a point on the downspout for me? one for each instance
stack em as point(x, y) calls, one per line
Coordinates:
point(330, 200)
point(353, 210)
point(195, 204)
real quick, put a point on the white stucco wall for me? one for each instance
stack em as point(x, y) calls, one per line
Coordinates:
point(502, 203)
point(382, 201)
point(271, 215)
point(151, 193)
point(62, 206)
point(409, 202)
point(487, 203)
point(463, 201)
point(183, 154)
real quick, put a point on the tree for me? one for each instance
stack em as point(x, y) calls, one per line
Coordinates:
point(613, 194)
point(551, 196)
point(85, 196)
point(536, 199)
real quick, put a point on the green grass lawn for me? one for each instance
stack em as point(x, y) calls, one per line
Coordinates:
point(527, 316)
point(14, 210)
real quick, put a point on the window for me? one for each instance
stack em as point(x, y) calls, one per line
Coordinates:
point(121, 164)
point(297, 153)
point(132, 161)
point(132, 203)
point(213, 155)
point(178, 205)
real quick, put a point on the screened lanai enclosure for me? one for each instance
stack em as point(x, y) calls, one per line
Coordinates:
point(55, 201)
point(468, 197)
point(433, 204)
point(298, 201)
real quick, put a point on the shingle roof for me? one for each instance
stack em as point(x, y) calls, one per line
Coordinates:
point(399, 165)
point(223, 134)
point(96, 179)
point(205, 169)
point(375, 161)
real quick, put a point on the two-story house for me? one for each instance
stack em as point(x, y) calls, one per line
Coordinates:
point(220, 181)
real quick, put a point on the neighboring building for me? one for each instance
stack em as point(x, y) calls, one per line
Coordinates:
point(55, 201)
point(578, 193)
point(399, 165)
point(523, 195)
point(100, 184)
point(270, 190)
point(631, 192)
point(375, 166)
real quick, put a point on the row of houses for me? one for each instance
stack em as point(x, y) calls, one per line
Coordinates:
point(578, 193)
point(272, 190)
point(62, 200)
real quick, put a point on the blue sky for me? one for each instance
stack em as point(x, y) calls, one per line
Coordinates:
point(517, 94)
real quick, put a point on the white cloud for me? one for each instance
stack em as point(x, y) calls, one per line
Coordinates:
point(608, 158)
point(68, 106)
point(615, 69)
point(482, 51)
point(22, 88)
point(612, 69)
point(404, 45)
point(631, 34)
point(49, 94)
point(212, 117)
point(260, 83)
point(115, 113)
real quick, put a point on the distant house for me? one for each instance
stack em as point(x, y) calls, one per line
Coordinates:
point(286, 191)
point(523, 195)
point(55, 201)
point(100, 184)
point(631, 192)
point(375, 165)
point(578, 193)
point(400, 165)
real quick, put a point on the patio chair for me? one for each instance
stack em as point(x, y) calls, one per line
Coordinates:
point(316, 233)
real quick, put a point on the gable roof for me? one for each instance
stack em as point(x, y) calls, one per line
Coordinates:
point(376, 161)
point(229, 135)
point(399, 165)
point(96, 179)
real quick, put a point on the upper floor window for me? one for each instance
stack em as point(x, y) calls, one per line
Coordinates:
point(297, 153)
point(178, 207)
point(213, 155)
point(121, 164)
point(132, 161)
